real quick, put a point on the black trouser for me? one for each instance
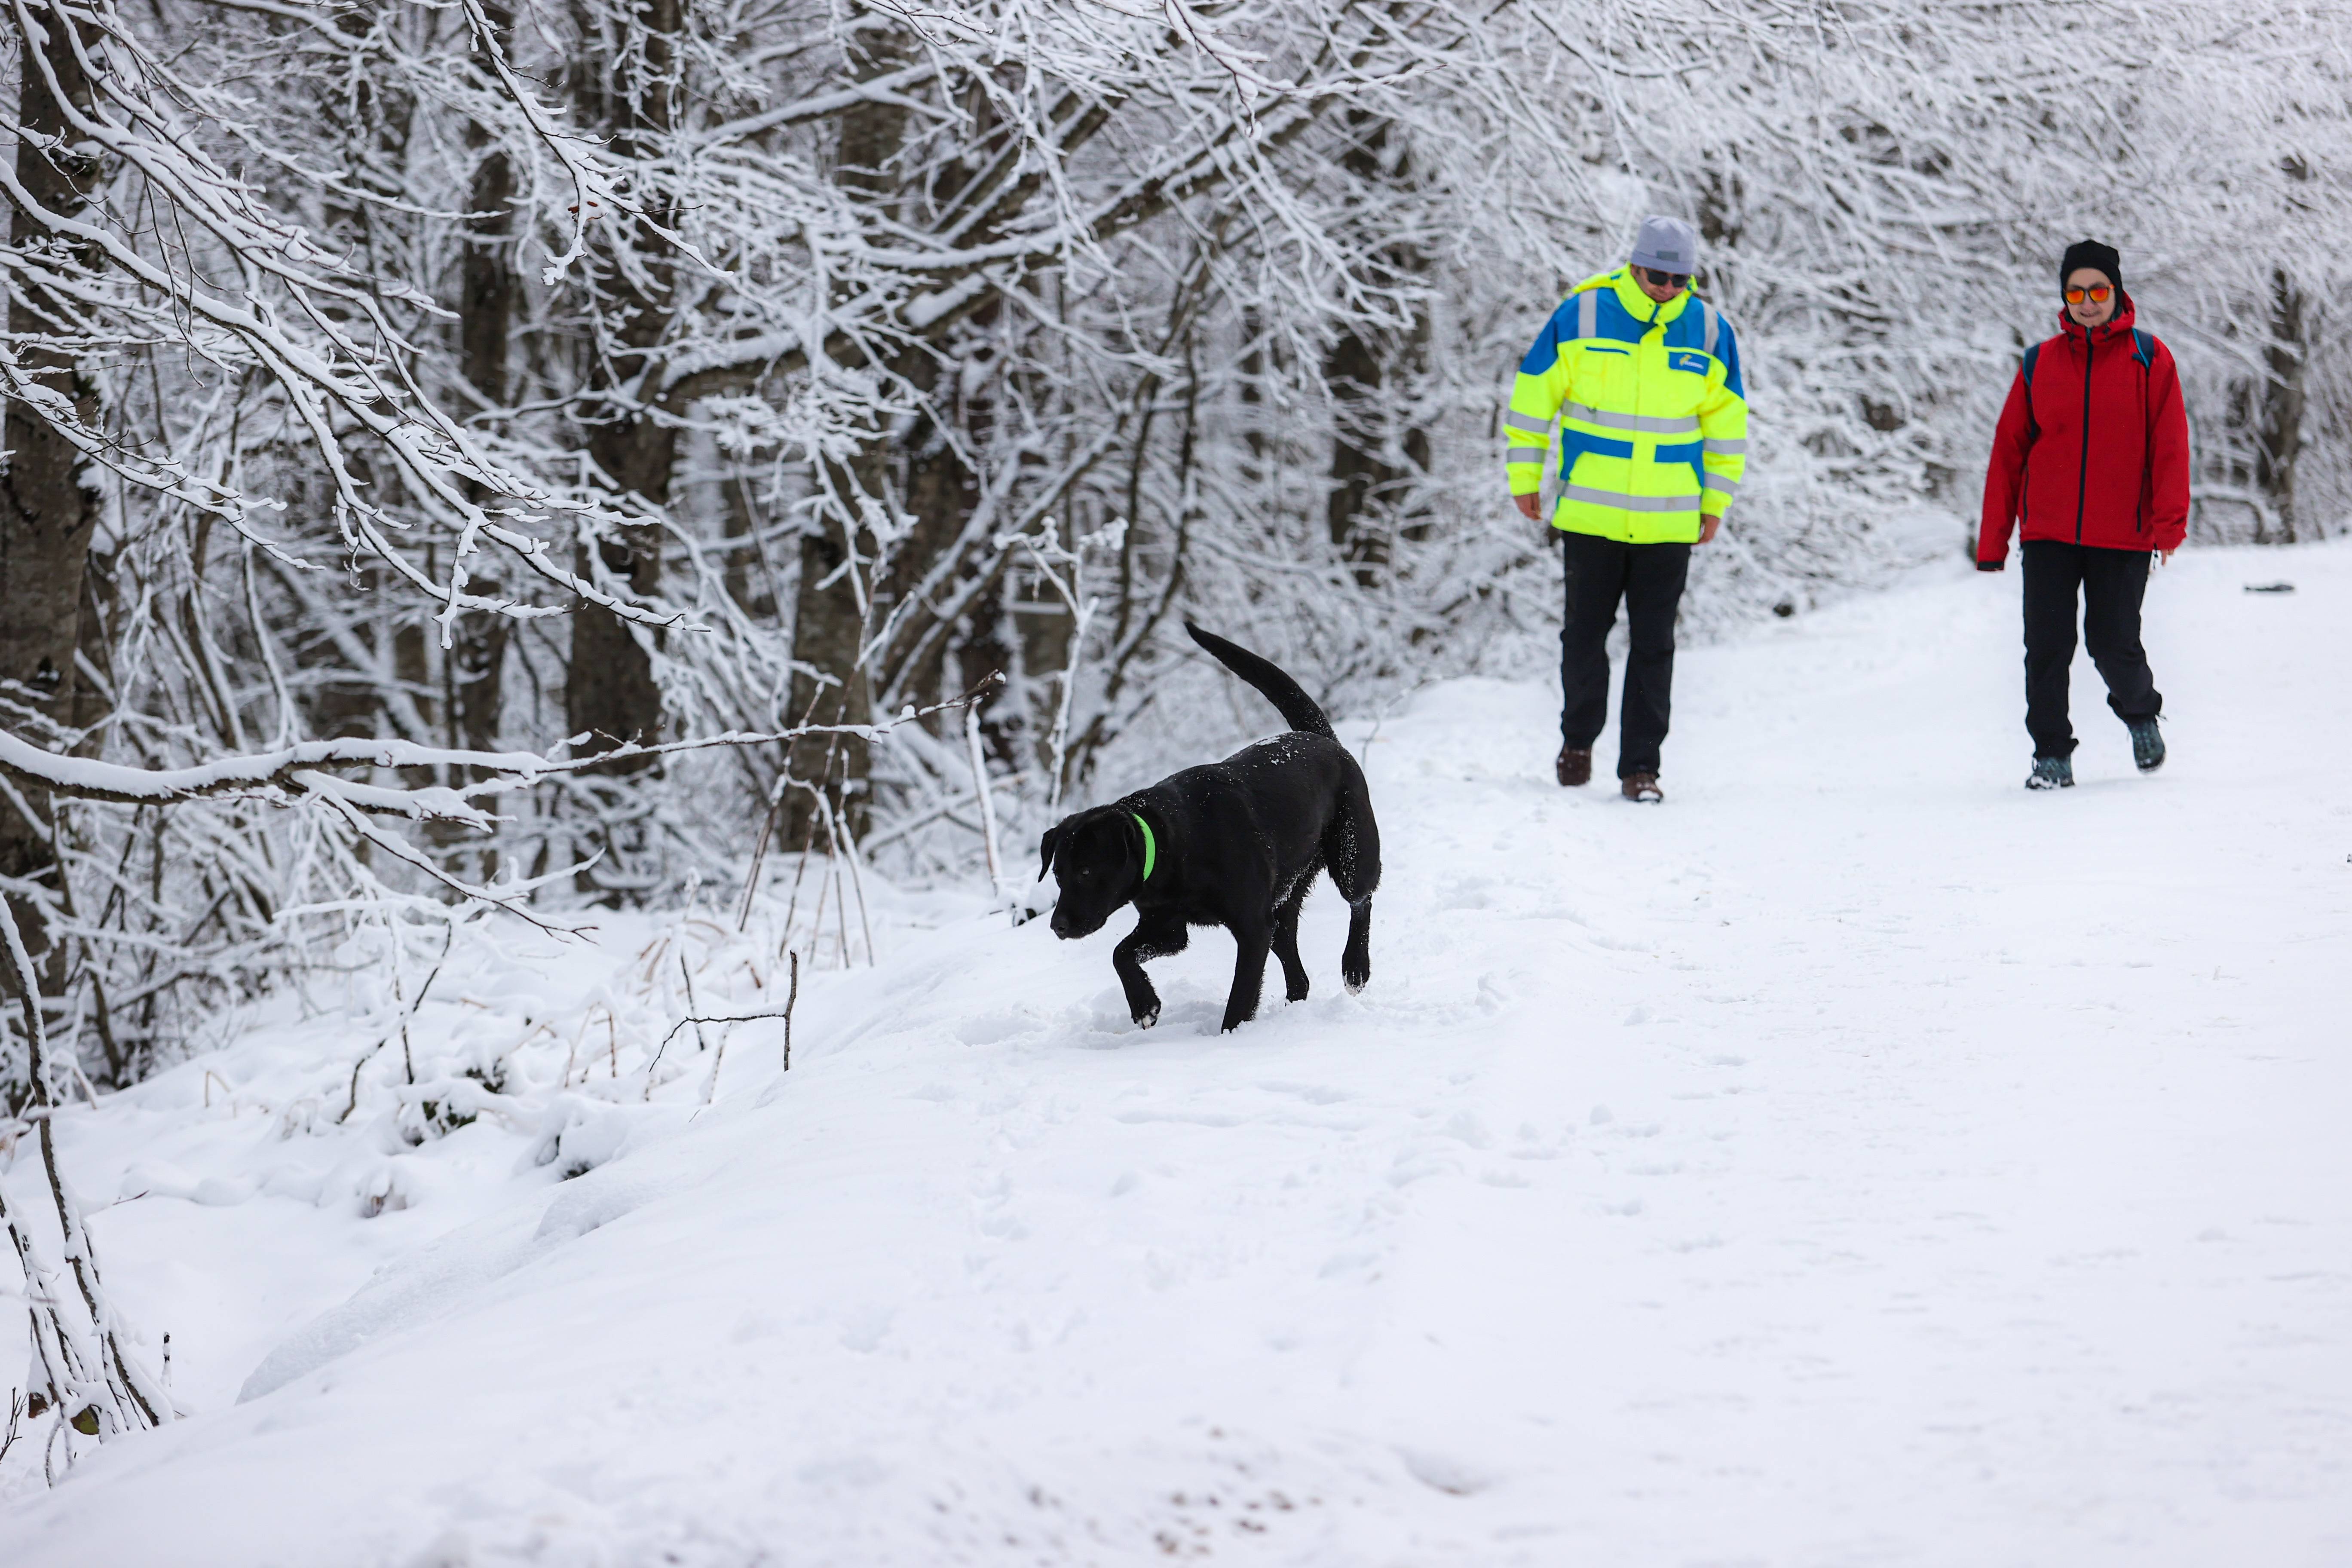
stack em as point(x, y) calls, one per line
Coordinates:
point(2111, 583)
point(1649, 578)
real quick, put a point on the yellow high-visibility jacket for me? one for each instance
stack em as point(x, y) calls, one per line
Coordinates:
point(1653, 414)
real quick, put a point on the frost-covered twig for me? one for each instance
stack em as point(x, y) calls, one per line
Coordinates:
point(1064, 569)
point(15, 1413)
point(78, 1337)
point(986, 797)
point(408, 1010)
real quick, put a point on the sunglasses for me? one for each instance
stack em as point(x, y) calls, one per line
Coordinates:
point(2097, 294)
point(1665, 279)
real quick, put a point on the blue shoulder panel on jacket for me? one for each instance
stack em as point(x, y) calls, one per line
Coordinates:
point(1545, 353)
point(1727, 349)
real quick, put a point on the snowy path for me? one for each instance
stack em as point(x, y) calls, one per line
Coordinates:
point(1856, 1161)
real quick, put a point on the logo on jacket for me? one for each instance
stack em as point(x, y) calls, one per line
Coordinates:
point(1696, 363)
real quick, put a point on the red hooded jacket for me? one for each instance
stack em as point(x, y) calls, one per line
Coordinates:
point(2093, 446)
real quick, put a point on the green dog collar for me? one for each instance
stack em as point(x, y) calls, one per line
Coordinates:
point(1150, 850)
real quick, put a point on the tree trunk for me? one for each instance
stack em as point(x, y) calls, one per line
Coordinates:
point(1361, 477)
point(475, 671)
point(937, 491)
point(608, 690)
point(829, 625)
point(1361, 371)
point(48, 505)
point(826, 635)
point(2279, 439)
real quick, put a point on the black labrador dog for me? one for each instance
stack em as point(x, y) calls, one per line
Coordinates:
point(1235, 844)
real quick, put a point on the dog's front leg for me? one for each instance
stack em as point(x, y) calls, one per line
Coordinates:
point(1149, 939)
point(1251, 942)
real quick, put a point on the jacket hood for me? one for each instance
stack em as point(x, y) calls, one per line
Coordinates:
point(2116, 325)
point(1638, 305)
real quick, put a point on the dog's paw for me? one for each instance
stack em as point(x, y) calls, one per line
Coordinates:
point(1146, 1016)
point(1356, 979)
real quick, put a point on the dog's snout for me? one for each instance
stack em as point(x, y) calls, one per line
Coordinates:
point(1070, 924)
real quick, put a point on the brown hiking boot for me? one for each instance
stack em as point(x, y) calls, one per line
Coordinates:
point(1642, 787)
point(1573, 766)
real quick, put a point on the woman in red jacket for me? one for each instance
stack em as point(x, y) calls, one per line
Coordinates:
point(2092, 457)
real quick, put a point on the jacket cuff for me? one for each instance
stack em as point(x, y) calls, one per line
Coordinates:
point(1992, 565)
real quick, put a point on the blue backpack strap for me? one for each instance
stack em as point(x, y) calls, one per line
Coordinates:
point(2144, 348)
point(2032, 425)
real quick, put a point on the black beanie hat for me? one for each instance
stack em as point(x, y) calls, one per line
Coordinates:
point(2091, 253)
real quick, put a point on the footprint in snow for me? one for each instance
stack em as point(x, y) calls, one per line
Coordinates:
point(1448, 1473)
point(991, 1028)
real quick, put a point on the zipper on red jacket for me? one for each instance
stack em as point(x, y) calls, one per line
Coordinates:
point(2146, 447)
point(2083, 468)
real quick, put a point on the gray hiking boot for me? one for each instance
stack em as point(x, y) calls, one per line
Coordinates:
point(2148, 744)
point(2051, 772)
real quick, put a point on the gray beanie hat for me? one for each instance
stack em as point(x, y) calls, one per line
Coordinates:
point(1666, 245)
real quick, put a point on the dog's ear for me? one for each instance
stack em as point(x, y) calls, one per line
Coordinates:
point(1045, 849)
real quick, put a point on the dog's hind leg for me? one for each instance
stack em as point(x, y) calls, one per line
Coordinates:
point(1351, 850)
point(1250, 944)
point(1151, 938)
point(1285, 946)
point(1356, 958)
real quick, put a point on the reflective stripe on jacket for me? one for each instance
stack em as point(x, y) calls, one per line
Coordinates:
point(1652, 414)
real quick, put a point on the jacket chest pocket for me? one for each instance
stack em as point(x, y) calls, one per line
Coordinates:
point(1608, 375)
point(1607, 384)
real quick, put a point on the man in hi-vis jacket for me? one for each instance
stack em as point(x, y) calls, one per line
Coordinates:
point(1643, 379)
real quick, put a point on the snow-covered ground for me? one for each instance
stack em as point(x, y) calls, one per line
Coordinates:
point(1858, 1160)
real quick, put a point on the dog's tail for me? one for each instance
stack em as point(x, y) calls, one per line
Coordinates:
point(1276, 688)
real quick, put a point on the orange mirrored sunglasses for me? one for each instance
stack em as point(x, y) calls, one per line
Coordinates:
point(2097, 293)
